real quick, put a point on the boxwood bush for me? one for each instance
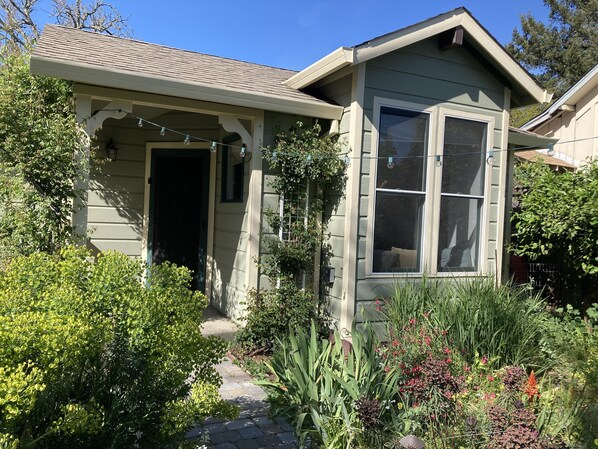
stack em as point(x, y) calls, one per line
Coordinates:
point(99, 353)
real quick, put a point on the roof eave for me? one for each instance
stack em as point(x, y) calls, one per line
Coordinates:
point(87, 74)
point(532, 90)
point(529, 140)
point(572, 96)
point(339, 58)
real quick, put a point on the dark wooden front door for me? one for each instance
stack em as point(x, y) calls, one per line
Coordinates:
point(179, 210)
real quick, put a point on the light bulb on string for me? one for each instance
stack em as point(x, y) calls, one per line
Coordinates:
point(213, 147)
point(437, 161)
point(551, 151)
point(347, 161)
point(309, 159)
point(390, 163)
point(490, 158)
point(162, 131)
point(274, 156)
point(243, 151)
point(187, 140)
point(140, 123)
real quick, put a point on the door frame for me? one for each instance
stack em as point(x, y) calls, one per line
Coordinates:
point(178, 146)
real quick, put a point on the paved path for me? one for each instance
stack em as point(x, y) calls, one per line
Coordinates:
point(253, 429)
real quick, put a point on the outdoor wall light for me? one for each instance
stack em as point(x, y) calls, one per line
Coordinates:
point(111, 151)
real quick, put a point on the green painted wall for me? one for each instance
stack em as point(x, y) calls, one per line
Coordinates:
point(423, 74)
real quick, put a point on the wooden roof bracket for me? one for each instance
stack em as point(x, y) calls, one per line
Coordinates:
point(451, 38)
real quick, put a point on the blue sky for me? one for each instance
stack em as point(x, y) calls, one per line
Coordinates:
point(284, 34)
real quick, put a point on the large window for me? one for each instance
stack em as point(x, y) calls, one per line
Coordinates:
point(429, 188)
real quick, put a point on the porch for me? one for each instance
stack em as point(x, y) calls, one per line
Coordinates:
point(171, 194)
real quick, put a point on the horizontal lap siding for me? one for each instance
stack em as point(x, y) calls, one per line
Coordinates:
point(425, 75)
point(338, 91)
point(116, 189)
point(230, 249)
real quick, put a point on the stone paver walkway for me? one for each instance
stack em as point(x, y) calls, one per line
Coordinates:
point(253, 429)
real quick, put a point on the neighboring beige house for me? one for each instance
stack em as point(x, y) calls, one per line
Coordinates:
point(573, 120)
point(422, 111)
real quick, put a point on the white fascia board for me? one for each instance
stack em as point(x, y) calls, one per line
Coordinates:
point(571, 97)
point(528, 139)
point(437, 25)
point(500, 55)
point(339, 58)
point(404, 37)
point(87, 74)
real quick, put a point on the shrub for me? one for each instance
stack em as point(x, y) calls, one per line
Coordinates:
point(502, 322)
point(337, 398)
point(91, 356)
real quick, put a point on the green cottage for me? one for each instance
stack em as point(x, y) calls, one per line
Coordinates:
point(423, 113)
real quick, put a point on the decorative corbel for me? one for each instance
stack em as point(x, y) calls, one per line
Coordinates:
point(117, 109)
point(232, 124)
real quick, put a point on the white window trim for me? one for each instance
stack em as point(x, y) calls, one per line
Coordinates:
point(431, 219)
point(484, 222)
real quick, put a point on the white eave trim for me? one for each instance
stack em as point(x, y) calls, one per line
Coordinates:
point(339, 58)
point(385, 44)
point(88, 74)
point(528, 139)
point(570, 98)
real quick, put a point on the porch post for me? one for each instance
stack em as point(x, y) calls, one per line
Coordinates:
point(254, 205)
point(83, 115)
point(352, 204)
point(504, 200)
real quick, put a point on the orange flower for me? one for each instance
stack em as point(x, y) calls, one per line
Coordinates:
point(531, 388)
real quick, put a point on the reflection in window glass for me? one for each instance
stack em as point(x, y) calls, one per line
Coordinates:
point(464, 156)
point(404, 137)
point(232, 173)
point(397, 238)
point(458, 240)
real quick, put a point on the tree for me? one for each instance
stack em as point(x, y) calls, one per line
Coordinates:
point(38, 137)
point(563, 50)
point(557, 216)
point(18, 29)
point(38, 131)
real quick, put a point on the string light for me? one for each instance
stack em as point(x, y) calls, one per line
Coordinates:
point(390, 163)
point(213, 147)
point(347, 161)
point(187, 140)
point(437, 161)
point(309, 159)
point(274, 156)
point(490, 158)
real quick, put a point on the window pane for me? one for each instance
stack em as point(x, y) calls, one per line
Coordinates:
point(397, 234)
point(403, 134)
point(458, 242)
point(464, 156)
point(232, 173)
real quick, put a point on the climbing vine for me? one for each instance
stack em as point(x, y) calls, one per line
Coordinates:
point(310, 176)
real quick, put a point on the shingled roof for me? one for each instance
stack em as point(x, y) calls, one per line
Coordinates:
point(69, 47)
